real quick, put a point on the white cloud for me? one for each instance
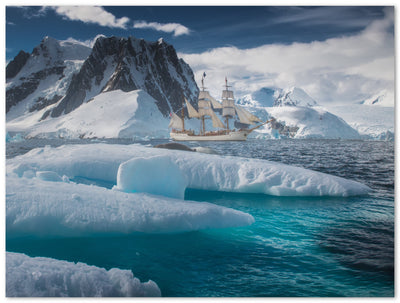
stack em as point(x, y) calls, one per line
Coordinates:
point(175, 28)
point(342, 69)
point(92, 14)
point(89, 43)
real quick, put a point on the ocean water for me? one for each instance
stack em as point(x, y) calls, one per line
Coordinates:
point(297, 247)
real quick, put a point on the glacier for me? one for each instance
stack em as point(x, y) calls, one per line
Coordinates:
point(201, 171)
point(47, 277)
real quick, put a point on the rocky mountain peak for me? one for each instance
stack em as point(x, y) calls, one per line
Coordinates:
point(130, 64)
point(294, 96)
point(14, 67)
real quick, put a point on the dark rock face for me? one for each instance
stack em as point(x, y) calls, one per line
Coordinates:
point(27, 72)
point(17, 64)
point(284, 130)
point(29, 84)
point(133, 64)
point(112, 64)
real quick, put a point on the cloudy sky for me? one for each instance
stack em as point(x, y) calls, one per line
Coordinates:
point(337, 54)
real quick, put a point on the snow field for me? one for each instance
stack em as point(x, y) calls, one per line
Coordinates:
point(46, 277)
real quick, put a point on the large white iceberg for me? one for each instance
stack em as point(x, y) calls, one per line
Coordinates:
point(201, 171)
point(46, 277)
point(38, 207)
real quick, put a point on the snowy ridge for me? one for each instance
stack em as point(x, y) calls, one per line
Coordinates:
point(294, 96)
point(44, 78)
point(137, 114)
point(382, 98)
point(264, 97)
point(371, 121)
point(306, 122)
point(46, 277)
point(60, 76)
point(299, 116)
point(202, 171)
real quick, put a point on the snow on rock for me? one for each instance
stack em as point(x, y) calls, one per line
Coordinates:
point(383, 98)
point(294, 96)
point(46, 277)
point(202, 171)
point(157, 175)
point(264, 97)
point(39, 207)
point(307, 122)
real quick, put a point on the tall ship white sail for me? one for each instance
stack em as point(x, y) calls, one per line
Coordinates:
point(207, 107)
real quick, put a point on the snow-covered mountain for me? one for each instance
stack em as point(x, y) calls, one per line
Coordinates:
point(302, 122)
point(294, 96)
point(382, 98)
point(37, 80)
point(371, 121)
point(61, 76)
point(272, 96)
point(113, 114)
point(127, 87)
point(299, 116)
point(264, 97)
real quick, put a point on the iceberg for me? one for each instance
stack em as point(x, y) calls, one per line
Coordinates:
point(46, 277)
point(201, 171)
point(37, 207)
point(136, 175)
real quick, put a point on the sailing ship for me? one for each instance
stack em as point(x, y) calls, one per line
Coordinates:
point(207, 108)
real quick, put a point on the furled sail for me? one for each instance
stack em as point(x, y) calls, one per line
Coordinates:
point(175, 122)
point(192, 112)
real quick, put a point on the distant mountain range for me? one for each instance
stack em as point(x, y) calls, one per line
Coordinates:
point(64, 89)
point(299, 116)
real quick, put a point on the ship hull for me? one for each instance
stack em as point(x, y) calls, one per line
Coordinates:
point(240, 135)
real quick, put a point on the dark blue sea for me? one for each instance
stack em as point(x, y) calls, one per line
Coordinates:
point(297, 247)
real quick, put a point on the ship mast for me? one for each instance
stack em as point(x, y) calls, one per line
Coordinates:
point(202, 110)
point(228, 104)
point(183, 115)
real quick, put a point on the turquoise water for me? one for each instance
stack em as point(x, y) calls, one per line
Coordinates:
point(297, 246)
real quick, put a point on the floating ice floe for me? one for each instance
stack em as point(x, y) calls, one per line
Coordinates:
point(201, 171)
point(46, 277)
point(38, 207)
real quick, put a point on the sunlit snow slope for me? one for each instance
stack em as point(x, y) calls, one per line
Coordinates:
point(108, 115)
